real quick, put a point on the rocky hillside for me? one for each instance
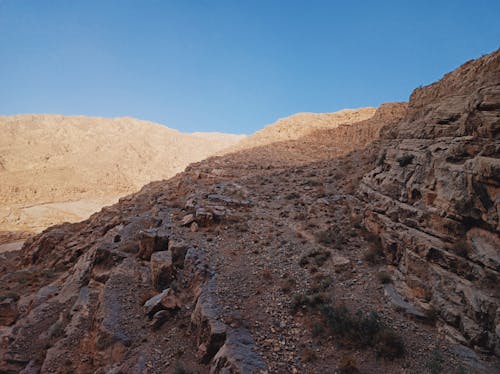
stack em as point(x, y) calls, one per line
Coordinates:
point(301, 124)
point(434, 201)
point(259, 261)
point(55, 168)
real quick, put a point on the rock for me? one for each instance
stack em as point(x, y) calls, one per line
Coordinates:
point(8, 312)
point(187, 219)
point(238, 355)
point(204, 217)
point(160, 318)
point(400, 304)
point(163, 301)
point(340, 263)
point(211, 332)
point(178, 249)
point(151, 241)
point(162, 270)
point(193, 227)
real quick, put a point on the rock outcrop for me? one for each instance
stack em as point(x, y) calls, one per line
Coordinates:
point(434, 201)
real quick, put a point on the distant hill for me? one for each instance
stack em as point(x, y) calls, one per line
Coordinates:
point(86, 162)
point(301, 124)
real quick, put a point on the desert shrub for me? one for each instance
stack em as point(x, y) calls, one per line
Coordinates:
point(435, 362)
point(356, 220)
point(9, 295)
point(317, 257)
point(308, 355)
point(292, 196)
point(384, 277)
point(382, 158)
point(347, 366)
point(461, 248)
point(312, 182)
point(389, 344)
point(375, 251)
point(404, 160)
point(432, 315)
point(287, 285)
point(180, 370)
point(330, 237)
point(306, 301)
point(318, 329)
point(363, 330)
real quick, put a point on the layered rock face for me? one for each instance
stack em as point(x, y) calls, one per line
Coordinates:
point(434, 201)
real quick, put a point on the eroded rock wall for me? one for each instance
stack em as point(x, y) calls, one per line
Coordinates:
point(434, 201)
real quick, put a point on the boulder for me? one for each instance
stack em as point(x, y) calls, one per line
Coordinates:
point(151, 241)
point(162, 269)
point(204, 217)
point(166, 300)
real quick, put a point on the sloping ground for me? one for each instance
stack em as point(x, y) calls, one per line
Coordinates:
point(252, 262)
point(300, 125)
point(434, 200)
point(75, 165)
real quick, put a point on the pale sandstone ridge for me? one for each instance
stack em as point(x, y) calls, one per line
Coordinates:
point(55, 168)
point(434, 200)
point(301, 124)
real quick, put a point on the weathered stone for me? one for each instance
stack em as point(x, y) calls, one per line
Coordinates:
point(178, 249)
point(8, 312)
point(340, 263)
point(401, 304)
point(163, 301)
point(193, 227)
point(187, 219)
point(204, 217)
point(162, 270)
point(211, 332)
point(151, 241)
point(238, 355)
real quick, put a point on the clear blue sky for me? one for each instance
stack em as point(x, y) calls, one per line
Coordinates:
point(230, 66)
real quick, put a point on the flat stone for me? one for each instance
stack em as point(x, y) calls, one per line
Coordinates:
point(401, 304)
point(340, 263)
point(238, 355)
point(187, 219)
point(163, 301)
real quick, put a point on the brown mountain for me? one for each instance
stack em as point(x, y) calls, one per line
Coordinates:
point(57, 168)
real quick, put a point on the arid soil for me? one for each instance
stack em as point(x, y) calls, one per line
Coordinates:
point(57, 168)
point(266, 260)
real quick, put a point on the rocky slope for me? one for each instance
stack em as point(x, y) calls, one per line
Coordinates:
point(249, 263)
point(434, 201)
point(302, 124)
point(55, 168)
